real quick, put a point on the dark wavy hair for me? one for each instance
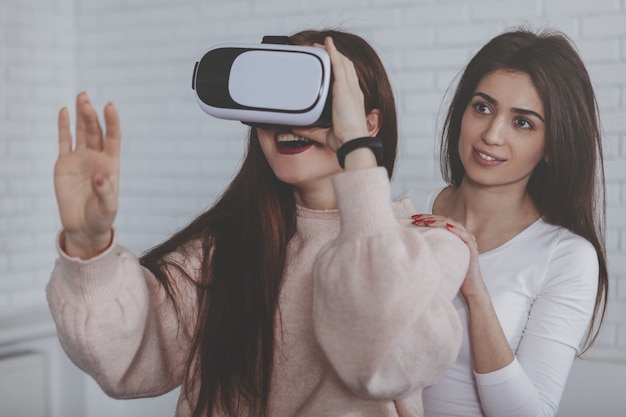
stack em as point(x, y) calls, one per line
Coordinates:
point(244, 237)
point(568, 190)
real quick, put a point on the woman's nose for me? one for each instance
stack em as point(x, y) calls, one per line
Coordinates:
point(494, 132)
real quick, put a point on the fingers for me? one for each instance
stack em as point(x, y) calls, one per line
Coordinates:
point(65, 134)
point(113, 132)
point(431, 220)
point(343, 68)
point(88, 130)
point(348, 105)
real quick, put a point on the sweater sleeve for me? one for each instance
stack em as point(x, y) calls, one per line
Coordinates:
point(533, 384)
point(115, 322)
point(383, 293)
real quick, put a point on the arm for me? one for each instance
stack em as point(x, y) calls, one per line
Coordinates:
point(116, 323)
point(113, 318)
point(383, 294)
point(529, 381)
point(556, 326)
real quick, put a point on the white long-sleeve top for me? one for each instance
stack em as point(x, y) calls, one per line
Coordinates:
point(366, 316)
point(543, 285)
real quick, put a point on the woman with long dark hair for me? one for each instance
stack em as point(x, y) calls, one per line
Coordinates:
point(522, 154)
point(303, 291)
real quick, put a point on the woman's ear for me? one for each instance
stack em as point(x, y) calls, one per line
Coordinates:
point(373, 122)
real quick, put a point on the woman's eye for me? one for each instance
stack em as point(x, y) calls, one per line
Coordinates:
point(523, 123)
point(482, 108)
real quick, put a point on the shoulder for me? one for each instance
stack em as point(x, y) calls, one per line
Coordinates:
point(422, 196)
point(570, 256)
point(562, 242)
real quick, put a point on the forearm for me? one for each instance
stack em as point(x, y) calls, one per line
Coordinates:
point(116, 323)
point(490, 348)
point(382, 299)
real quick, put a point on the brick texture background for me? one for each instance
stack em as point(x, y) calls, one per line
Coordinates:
point(176, 159)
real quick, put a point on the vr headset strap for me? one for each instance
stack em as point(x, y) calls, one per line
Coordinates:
point(277, 40)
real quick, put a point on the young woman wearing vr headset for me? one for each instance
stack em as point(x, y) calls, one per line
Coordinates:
point(303, 291)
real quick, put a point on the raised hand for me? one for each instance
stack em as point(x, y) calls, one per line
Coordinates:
point(349, 121)
point(86, 178)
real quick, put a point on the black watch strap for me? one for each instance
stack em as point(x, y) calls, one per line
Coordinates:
point(375, 144)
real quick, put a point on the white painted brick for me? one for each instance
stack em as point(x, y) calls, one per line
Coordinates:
point(611, 146)
point(621, 290)
point(607, 338)
point(617, 263)
point(610, 25)
point(394, 37)
point(32, 298)
point(439, 58)
point(614, 121)
point(608, 98)
point(494, 9)
point(608, 75)
point(223, 10)
point(579, 7)
point(412, 81)
point(621, 337)
point(599, 50)
point(565, 24)
point(467, 34)
point(436, 14)
point(616, 217)
point(426, 104)
point(447, 80)
point(612, 241)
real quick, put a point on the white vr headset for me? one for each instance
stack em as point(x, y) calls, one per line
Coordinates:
point(272, 83)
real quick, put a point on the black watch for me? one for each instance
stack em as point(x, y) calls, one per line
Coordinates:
point(374, 143)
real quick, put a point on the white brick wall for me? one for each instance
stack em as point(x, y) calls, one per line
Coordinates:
point(176, 160)
point(37, 63)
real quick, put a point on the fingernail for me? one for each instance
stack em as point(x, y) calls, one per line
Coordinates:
point(428, 222)
point(416, 216)
point(449, 226)
point(418, 221)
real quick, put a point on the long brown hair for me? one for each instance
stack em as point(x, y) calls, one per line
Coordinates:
point(244, 237)
point(569, 189)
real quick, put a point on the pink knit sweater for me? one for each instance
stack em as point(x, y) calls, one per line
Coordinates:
point(366, 317)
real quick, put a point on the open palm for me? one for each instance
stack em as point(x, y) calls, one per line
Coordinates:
point(86, 177)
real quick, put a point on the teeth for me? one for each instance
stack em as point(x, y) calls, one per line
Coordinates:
point(486, 157)
point(291, 138)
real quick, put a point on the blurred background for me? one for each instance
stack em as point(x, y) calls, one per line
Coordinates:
point(176, 160)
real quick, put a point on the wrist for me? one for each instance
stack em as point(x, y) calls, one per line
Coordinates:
point(362, 159)
point(78, 245)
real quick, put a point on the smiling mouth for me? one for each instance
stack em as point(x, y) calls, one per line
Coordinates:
point(290, 144)
point(291, 141)
point(486, 157)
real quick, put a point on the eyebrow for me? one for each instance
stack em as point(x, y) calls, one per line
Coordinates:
point(515, 110)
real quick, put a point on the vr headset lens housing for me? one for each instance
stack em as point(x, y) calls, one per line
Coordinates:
point(265, 84)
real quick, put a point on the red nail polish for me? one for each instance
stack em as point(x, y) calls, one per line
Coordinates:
point(449, 226)
point(428, 222)
point(416, 216)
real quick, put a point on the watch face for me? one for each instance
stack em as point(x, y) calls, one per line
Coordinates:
point(264, 83)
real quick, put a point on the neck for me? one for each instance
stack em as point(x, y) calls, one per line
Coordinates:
point(316, 198)
point(478, 206)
